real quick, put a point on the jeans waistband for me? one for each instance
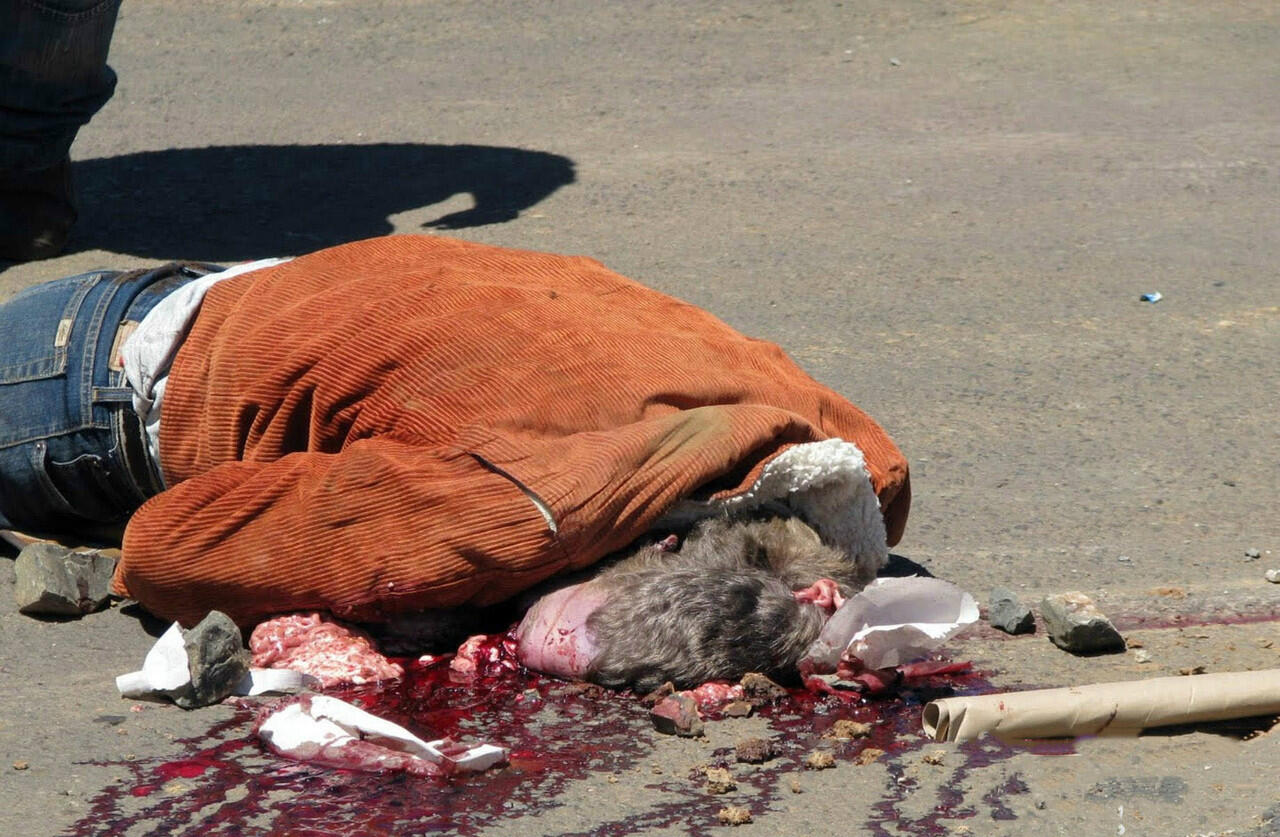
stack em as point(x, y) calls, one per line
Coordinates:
point(72, 449)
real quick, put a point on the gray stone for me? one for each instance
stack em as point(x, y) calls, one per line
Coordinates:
point(1075, 624)
point(1005, 612)
point(51, 580)
point(1272, 575)
point(677, 715)
point(217, 659)
point(1252, 554)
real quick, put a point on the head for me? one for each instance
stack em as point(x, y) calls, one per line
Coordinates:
point(737, 596)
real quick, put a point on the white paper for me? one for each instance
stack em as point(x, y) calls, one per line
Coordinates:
point(893, 621)
point(325, 720)
point(166, 669)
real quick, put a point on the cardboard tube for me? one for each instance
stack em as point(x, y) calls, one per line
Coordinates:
point(1105, 708)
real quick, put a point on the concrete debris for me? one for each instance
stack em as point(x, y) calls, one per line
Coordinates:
point(719, 780)
point(1075, 624)
point(733, 815)
point(1006, 613)
point(216, 658)
point(754, 750)
point(677, 715)
point(759, 688)
point(868, 756)
point(819, 760)
point(52, 580)
point(846, 730)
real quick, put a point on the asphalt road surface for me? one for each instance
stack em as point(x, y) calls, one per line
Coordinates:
point(946, 211)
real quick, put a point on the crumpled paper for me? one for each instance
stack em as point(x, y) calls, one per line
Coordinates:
point(318, 727)
point(166, 671)
point(891, 622)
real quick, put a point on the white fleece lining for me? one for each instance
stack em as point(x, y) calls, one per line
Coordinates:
point(827, 484)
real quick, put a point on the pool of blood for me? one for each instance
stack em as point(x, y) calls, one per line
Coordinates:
point(224, 783)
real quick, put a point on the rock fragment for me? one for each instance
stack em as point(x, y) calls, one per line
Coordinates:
point(738, 709)
point(719, 780)
point(846, 730)
point(1252, 554)
point(1272, 575)
point(757, 687)
point(677, 715)
point(733, 815)
point(1007, 613)
point(216, 658)
point(819, 760)
point(868, 755)
point(51, 580)
point(754, 750)
point(1075, 624)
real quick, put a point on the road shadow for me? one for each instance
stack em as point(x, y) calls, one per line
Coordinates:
point(238, 202)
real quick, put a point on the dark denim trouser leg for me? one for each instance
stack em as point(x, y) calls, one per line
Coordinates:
point(53, 76)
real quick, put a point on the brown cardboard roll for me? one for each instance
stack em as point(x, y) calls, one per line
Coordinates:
point(1105, 708)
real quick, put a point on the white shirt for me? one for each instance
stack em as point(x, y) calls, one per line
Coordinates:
point(148, 353)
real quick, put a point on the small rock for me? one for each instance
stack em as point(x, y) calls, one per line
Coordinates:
point(868, 755)
point(1142, 655)
point(1252, 554)
point(738, 709)
point(677, 715)
point(217, 659)
point(51, 580)
point(934, 757)
point(894, 62)
point(1272, 575)
point(659, 694)
point(1125, 559)
point(1005, 612)
point(754, 750)
point(820, 760)
point(796, 787)
point(20, 765)
point(759, 688)
point(1075, 624)
point(845, 730)
point(719, 780)
point(733, 815)
point(1191, 671)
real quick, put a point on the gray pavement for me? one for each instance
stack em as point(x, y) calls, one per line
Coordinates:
point(946, 211)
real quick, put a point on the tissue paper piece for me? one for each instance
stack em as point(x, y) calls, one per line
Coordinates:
point(331, 732)
point(164, 669)
point(891, 622)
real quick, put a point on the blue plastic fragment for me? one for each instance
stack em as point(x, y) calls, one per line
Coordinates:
point(1154, 296)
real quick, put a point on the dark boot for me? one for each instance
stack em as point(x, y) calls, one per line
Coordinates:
point(37, 211)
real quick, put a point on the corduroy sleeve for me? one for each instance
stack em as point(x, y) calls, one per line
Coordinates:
point(434, 520)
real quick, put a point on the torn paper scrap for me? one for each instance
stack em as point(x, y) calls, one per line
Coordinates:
point(328, 731)
point(893, 621)
point(1106, 708)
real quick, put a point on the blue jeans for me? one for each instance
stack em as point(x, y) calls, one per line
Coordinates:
point(53, 76)
point(73, 456)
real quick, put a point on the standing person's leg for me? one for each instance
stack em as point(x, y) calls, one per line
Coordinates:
point(53, 78)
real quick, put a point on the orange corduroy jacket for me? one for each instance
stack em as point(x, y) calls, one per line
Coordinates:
point(418, 422)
